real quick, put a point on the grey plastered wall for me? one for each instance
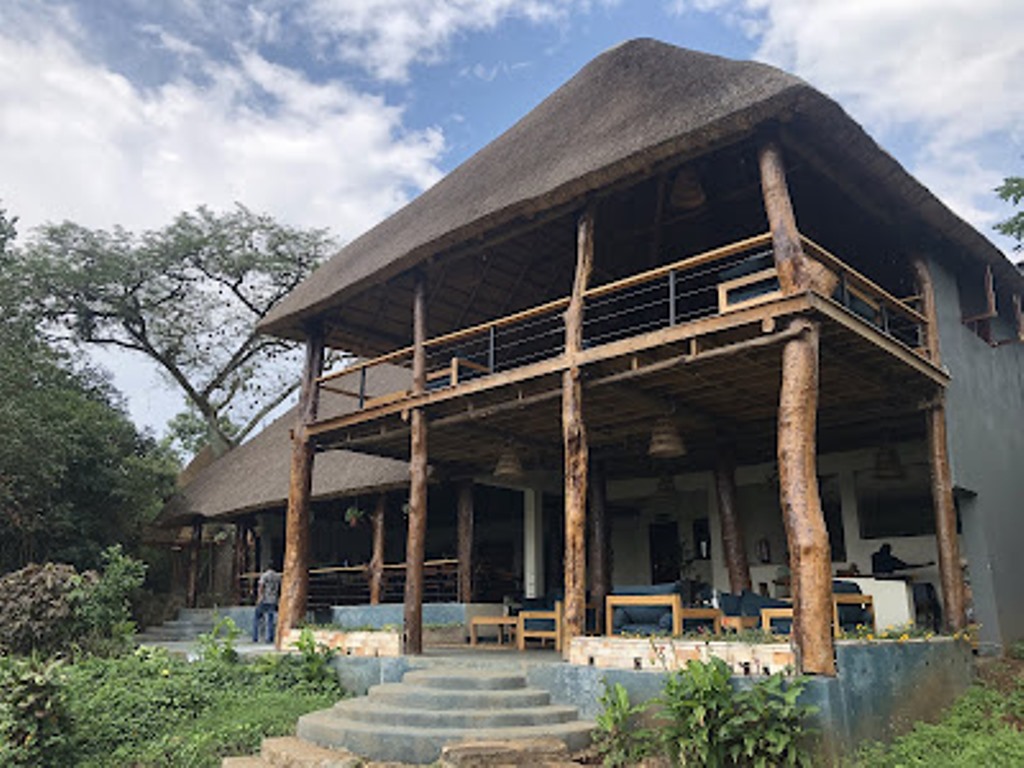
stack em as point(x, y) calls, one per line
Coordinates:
point(985, 424)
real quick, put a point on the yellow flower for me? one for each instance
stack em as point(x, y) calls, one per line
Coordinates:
point(870, 636)
point(904, 637)
point(165, 672)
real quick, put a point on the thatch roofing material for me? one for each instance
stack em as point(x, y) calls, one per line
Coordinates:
point(632, 107)
point(255, 475)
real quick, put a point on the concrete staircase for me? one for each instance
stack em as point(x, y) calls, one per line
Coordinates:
point(190, 624)
point(411, 721)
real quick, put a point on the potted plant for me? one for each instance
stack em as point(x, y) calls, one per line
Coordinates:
point(354, 515)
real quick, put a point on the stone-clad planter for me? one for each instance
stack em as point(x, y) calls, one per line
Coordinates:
point(660, 654)
point(384, 642)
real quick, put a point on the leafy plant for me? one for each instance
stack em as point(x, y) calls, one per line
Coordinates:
point(104, 612)
point(33, 713)
point(218, 645)
point(354, 515)
point(39, 608)
point(618, 739)
point(710, 724)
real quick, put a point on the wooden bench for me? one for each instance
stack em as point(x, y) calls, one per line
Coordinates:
point(864, 601)
point(673, 601)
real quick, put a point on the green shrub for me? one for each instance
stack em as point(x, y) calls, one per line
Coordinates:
point(618, 738)
point(149, 708)
point(33, 714)
point(104, 612)
point(52, 609)
point(39, 608)
point(705, 722)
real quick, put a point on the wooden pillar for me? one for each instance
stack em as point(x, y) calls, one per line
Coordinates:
point(809, 556)
point(417, 533)
point(295, 576)
point(789, 259)
point(574, 436)
point(238, 560)
point(377, 555)
point(600, 570)
point(465, 541)
point(194, 546)
point(947, 541)
point(733, 541)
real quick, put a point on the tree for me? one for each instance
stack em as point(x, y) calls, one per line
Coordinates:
point(1012, 191)
point(75, 474)
point(188, 297)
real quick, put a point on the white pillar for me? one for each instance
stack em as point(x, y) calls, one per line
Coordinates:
point(533, 543)
point(851, 519)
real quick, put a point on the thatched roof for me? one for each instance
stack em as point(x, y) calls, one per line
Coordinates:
point(632, 107)
point(255, 475)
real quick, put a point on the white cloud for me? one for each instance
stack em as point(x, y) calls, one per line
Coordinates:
point(387, 36)
point(943, 76)
point(79, 141)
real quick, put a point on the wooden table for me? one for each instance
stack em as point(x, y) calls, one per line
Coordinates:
point(501, 623)
point(740, 623)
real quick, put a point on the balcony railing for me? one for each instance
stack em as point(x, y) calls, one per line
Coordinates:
point(723, 280)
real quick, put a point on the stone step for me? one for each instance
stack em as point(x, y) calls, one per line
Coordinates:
point(247, 761)
point(465, 680)
point(421, 745)
point(421, 697)
point(367, 711)
point(292, 752)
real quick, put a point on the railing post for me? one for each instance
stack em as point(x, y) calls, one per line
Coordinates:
point(844, 289)
point(491, 334)
point(884, 313)
point(362, 388)
point(672, 297)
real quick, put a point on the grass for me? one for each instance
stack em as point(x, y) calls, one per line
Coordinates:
point(985, 727)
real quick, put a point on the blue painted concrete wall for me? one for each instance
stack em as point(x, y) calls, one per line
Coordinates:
point(391, 615)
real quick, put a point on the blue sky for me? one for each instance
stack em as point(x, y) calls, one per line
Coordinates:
point(332, 113)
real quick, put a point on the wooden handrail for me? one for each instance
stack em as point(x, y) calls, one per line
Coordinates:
point(387, 566)
point(833, 261)
point(682, 266)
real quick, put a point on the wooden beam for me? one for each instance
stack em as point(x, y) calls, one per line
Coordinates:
point(809, 556)
point(465, 541)
point(238, 560)
point(295, 576)
point(377, 553)
point(781, 220)
point(574, 437)
point(600, 567)
point(733, 542)
point(947, 542)
point(194, 546)
point(417, 533)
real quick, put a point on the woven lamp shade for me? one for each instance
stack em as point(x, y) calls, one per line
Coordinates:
point(666, 442)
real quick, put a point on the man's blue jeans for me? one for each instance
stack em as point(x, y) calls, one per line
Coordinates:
point(270, 611)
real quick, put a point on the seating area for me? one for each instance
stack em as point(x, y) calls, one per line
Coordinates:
point(658, 609)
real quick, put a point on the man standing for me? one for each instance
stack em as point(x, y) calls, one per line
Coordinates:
point(267, 593)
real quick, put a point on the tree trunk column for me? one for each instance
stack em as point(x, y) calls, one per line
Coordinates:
point(809, 557)
point(194, 546)
point(574, 435)
point(600, 572)
point(377, 555)
point(417, 532)
point(733, 541)
point(465, 541)
point(295, 577)
point(789, 257)
point(947, 541)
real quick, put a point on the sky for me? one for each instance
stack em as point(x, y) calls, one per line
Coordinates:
point(334, 113)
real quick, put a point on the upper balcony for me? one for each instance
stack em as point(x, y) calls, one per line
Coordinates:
point(719, 314)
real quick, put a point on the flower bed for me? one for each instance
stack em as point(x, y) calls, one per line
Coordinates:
point(382, 642)
point(659, 654)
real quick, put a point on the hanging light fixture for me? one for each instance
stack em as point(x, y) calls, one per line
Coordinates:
point(509, 466)
point(888, 465)
point(666, 442)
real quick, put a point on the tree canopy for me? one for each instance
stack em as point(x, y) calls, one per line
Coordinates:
point(188, 296)
point(1012, 191)
point(75, 474)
